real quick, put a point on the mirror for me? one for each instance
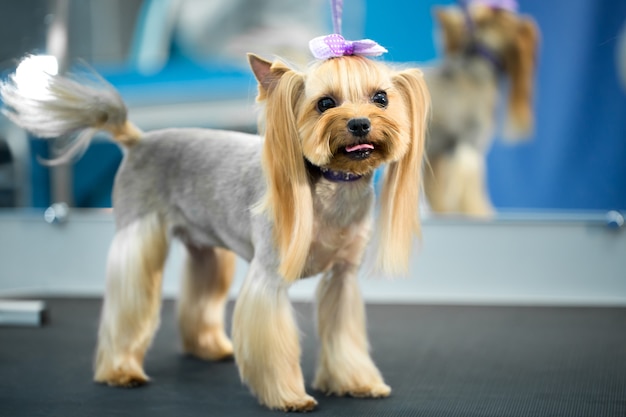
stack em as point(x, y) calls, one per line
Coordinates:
point(180, 63)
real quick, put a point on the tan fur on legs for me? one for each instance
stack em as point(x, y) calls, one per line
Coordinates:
point(455, 183)
point(130, 314)
point(345, 366)
point(267, 349)
point(474, 199)
point(441, 187)
point(206, 281)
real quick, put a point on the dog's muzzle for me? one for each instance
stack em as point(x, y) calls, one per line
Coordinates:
point(359, 127)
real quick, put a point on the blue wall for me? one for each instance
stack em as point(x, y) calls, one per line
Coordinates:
point(577, 157)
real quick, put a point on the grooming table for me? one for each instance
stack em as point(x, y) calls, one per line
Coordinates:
point(439, 360)
point(452, 339)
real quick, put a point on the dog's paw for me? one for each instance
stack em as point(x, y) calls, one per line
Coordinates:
point(124, 378)
point(361, 389)
point(212, 346)
point(300, 405)
point(376, 391)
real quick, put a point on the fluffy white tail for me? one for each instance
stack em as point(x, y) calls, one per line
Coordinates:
point(52, 106)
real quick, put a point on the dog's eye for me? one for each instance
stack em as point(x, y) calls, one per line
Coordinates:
point(380, 99)
point(325, 103)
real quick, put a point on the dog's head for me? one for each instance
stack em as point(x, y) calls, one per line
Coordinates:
point(348, 114)
point(511, 39)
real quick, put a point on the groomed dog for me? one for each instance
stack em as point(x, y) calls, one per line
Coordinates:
point(295, 203)
point(485, 46)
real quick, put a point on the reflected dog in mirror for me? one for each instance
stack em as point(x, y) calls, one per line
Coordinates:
point(489, 51)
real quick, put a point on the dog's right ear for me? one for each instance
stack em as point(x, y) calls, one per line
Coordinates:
point(266, 73)
point(288, 199)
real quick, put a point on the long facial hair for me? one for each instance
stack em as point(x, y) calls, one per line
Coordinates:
point(295, 130)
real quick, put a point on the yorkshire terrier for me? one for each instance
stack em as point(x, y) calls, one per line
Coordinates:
point(294, 203)
point(486, 44)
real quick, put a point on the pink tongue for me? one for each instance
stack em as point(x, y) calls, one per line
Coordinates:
point(359, 147)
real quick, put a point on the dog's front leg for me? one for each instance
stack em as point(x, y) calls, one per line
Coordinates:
point(265, 337)
point(345, 366)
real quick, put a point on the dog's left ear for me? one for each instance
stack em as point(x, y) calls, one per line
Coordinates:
point(520, 63)
point(399, 219)
point(452, 26)
point(288, 200)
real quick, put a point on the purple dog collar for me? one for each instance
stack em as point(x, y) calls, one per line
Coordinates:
point(339, 176)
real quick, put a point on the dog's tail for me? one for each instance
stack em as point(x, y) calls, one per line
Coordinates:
point(53, 106)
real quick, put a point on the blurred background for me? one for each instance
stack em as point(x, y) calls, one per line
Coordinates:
point(182, 63)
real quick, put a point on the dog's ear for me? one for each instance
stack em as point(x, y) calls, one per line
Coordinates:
point(452, 28)
point(520, 63)
point(399, 218)
point(288, 199)
point(266, 73)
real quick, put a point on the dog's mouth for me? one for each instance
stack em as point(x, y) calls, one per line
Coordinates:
point(358, 151)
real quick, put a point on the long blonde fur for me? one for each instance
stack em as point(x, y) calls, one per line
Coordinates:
point(399, 218)
point(288, 200)
point(520, 62)
point(267, 346)
point(130, 314)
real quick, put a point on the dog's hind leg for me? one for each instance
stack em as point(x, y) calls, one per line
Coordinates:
point(455, 183)
point(206, 281)
point(267, 349)
point(442, 185)
point(345, 366)
point(130, 315)
point(474, 200)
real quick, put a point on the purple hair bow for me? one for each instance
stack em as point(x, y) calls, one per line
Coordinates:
point(333, 46)
point(509, 5)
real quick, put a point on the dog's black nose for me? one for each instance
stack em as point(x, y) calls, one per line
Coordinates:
point(359, 126)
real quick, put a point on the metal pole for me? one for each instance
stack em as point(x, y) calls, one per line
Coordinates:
point(57, 46)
